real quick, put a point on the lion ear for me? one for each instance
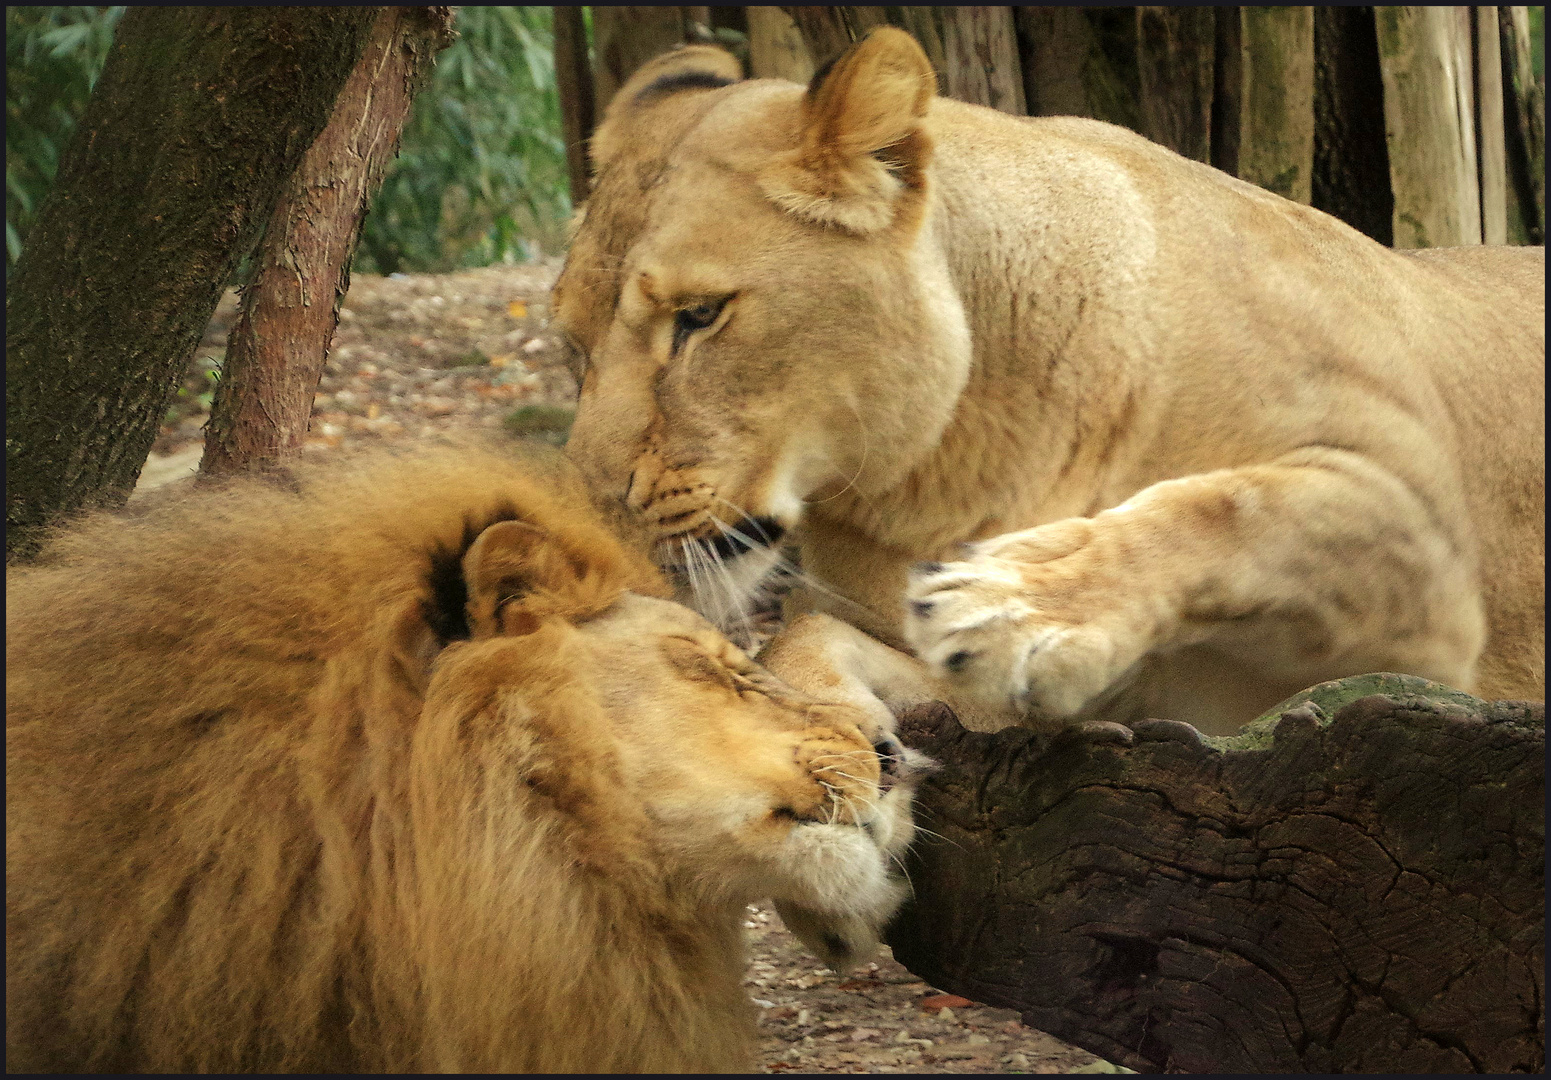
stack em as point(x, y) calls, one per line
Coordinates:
point(861, 151)
point(503, 567)
point(666, 80)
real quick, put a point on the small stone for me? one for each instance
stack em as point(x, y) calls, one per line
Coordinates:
point(946, 1015)
point(977, 1039)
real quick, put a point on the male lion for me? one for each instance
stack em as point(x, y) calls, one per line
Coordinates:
point(1189, 446)
point(412, 770)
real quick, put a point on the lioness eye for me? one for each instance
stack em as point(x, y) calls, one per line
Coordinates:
point(690, 319)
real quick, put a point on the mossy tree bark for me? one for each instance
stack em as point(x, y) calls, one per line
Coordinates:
point(198, 119)
point(290, 308)
point(1357, 884)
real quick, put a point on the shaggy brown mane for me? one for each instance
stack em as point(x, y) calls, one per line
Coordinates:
point(252, 825)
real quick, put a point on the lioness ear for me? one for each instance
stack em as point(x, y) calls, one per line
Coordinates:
point(659, 81)
point(861, 152)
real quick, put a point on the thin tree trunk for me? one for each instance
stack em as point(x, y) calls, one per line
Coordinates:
point(1491, 148)
point(1426, 62)
point(277, 347)
point(578, 111)
point(199, 118)
point(829, 31)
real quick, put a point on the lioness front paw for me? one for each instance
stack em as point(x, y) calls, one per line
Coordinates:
point(1040, 638)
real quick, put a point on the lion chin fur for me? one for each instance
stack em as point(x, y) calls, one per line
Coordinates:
point(250, 827)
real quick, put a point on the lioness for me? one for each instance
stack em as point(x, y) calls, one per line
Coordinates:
point(415, 770)
point(1096, 431)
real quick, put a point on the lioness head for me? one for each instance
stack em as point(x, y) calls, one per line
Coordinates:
point(745, 286)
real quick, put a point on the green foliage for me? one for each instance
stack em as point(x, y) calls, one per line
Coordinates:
point(1537, 41)
point(53, 56)
point(481, 175)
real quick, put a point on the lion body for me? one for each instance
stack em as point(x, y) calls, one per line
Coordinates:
point(269, 808)
point(1207, 446)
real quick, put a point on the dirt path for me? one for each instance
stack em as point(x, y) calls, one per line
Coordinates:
point(420, 354)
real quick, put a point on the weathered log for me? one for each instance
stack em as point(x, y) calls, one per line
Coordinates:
point(1356, 883)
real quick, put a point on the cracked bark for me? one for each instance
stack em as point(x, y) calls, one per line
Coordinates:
point(1363, 892)
point(277, 347)
point(198, 119)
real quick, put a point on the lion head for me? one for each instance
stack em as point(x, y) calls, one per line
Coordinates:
point(414, 769)
point(746, 284)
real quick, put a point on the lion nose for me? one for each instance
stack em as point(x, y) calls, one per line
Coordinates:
point(891, 761)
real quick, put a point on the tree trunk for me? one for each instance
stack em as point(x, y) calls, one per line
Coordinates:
point(1363, 892)
point(1524, 122)
point(200, 116)
point(624, 38)
point(974, 51)
point(829, 31)
point(578, 110)
point(776, 47)
point(1276, 115)
point(1426, 63)
point(1491, 148)
point(1080, 62)
point(1351, 158)
point(277, 347)
point(1176, 52)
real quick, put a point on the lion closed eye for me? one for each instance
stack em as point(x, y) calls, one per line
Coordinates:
point(415, 770)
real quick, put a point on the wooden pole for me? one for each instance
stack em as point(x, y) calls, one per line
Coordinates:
point(1427, 65)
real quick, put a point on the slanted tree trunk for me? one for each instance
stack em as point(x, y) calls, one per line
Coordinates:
point(199, 118)
point(277, 347)
point(1355, 884)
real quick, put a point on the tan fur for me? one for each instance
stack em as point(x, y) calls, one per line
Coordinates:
point(262, 815)
point(1207, 446)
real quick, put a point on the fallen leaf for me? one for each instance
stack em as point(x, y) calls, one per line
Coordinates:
point(943, 1001)
point(500, 360)
point(517, 309)
point(373, 411)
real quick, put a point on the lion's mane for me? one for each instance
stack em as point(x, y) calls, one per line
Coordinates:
point(246, 829)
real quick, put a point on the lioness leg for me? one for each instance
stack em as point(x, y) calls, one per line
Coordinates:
point(1315, 566)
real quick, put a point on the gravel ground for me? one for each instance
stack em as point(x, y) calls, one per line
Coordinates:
point(417, 355)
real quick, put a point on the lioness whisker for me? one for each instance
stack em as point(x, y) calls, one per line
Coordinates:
point(866, 446)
